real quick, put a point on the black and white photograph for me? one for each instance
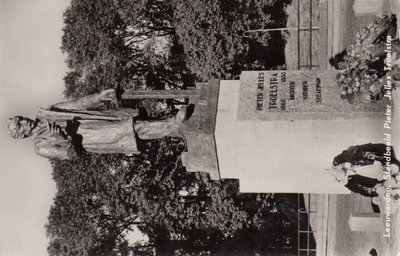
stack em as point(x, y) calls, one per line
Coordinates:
point(200, 127)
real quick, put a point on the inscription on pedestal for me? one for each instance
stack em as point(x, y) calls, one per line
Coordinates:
point(298, 94)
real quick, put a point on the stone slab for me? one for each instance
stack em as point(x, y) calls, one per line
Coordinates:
point(201, 155)
point(298, 95)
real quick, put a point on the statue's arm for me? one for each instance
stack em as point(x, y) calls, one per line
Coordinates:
point(55, 147)
point(94, 101)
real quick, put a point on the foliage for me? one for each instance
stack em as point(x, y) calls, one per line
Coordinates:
point(116, 43)
point(362, 67)
point(101, 196)
point(165, 44)
point(156, 44)
point(89, 212)
point(211, 33)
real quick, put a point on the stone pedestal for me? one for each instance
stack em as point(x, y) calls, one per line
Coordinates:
point(279, 131)
point(275, 131)
point(198, 130)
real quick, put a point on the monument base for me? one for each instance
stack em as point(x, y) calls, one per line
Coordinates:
point(284, 156)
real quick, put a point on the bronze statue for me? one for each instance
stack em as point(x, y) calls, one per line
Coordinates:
point(67, 128)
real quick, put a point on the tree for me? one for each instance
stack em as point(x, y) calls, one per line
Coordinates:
point(116, 43)
point(90, 210)
point(100, 196)
point(160, 44)
point(212, 35)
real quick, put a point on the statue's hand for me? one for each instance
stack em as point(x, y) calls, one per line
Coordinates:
point(108, 96)
point(54, 129)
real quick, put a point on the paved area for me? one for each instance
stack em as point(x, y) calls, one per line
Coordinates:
point(342, 241)
point(343, 26)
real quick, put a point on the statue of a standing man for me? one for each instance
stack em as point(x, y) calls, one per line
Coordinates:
point(67, 128)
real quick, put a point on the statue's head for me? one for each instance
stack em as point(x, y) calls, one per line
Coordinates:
point(20, 127)
point(340, 174)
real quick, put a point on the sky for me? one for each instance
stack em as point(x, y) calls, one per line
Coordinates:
point(31, 70)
